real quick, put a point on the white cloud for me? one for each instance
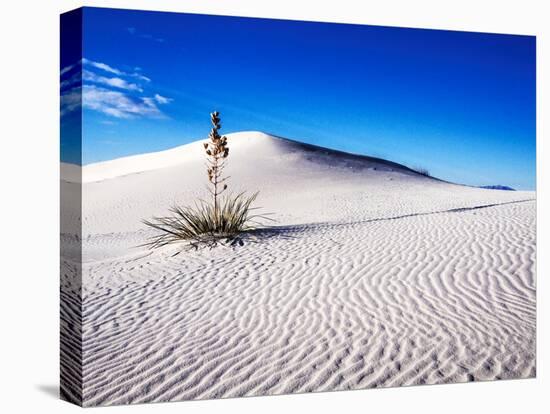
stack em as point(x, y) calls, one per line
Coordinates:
point(134, 31)
point(114, 82)
point(141, 77)
point(103, 66)
point(74, 79)
point(68, 68)
point(71, 100)
point(149, 102)
point(117, 96)
point(117, 103)
point(115, 71)
point(161, 99)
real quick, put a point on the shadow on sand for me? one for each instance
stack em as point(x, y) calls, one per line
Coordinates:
point(292, 232)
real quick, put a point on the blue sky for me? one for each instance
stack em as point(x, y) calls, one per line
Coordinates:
point(460, 104)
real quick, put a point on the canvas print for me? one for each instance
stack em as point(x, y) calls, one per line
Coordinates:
point(255, 207)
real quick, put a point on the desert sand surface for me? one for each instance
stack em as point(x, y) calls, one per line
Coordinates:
point(371, 276)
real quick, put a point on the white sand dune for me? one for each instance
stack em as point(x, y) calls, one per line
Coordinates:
point(373, 276)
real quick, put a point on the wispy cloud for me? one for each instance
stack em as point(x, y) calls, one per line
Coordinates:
point(102, 66)
point(69, 68)
point(134, 32)
point(161, 99)
point(151, 37)
point(103, 88)
point(141, 77)
point(118, 104)
point(107, 68)
point(71, 100)
point(74, 79)
point(113, 82)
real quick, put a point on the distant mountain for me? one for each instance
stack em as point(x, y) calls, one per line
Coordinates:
point(497, 187)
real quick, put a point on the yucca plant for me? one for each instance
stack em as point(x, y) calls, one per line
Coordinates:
point(217, 152)
point(207, 223)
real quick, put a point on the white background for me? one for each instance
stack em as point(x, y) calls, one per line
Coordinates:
point(29, 133)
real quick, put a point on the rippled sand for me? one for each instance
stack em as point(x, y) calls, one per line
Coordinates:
point(372, 276)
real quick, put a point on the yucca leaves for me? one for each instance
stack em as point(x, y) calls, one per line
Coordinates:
point(204, 224)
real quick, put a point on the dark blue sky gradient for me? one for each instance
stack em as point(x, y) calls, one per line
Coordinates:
point(460, 104)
